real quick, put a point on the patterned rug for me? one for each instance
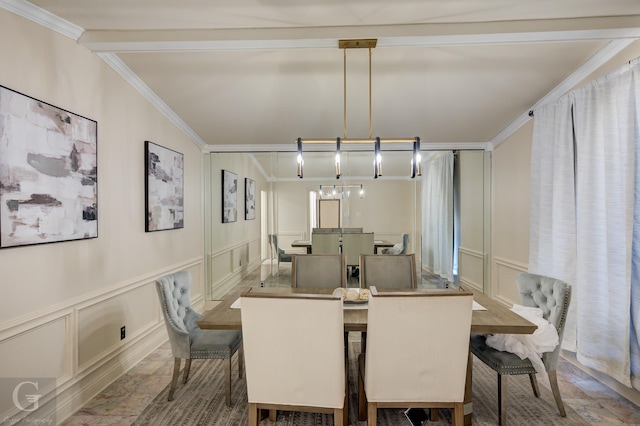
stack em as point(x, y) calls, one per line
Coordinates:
point(202, 402)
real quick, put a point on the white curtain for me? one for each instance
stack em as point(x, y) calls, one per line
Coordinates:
point(605, 117)
point(437, 218)
point(596, 129)
point(552, 240)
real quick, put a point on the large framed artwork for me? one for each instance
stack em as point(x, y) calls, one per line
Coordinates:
point(48, 173)
point(229, 196)
point(249, 199)
point(164, 188)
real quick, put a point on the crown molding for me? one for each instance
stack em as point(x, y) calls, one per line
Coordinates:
point(43, 17)
point(125, 72)
point(596, 61)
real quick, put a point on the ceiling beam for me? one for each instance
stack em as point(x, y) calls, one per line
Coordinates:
point(529, 31)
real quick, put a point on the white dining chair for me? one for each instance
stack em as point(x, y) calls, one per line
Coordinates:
point(294, 353)
point(417, 351)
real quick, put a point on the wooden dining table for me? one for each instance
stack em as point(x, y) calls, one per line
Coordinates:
point(494, 318)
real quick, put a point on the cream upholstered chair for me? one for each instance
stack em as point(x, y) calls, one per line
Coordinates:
point(382, 271)
point(189, 341)
point(411, 359)
point(318, 270)
point(294, 352)
point(552, 296)
point(355, 244)
point(325, 243)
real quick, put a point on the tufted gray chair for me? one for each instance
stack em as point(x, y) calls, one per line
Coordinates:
point(400, 248)
point(282, 256)
point(187, 339)
point(552, 296)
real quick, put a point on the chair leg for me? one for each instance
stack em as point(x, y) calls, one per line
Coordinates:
point(174, 379)
point(458, 414)
point(362, 400)
point(240, 361)
point(338, 419)
point(553, 381)
point(254, 418)
point(502, 400)
point(534, 384)
point(372, 414)
point(227, 380)
point(187, 369)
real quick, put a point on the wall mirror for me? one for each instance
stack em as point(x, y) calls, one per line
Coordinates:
point(390, 206)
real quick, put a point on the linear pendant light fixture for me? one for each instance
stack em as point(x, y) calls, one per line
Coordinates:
point(377, 159)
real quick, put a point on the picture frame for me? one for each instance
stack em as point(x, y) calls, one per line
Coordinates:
point(249, 199)
point(48, 172)
point(229, 196)
point(164, 188)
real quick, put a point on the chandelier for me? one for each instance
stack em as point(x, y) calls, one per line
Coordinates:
point(416, 169)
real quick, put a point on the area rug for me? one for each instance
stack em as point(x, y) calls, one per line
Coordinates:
point(202, 402)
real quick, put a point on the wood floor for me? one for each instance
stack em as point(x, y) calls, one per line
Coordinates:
point(122, 402)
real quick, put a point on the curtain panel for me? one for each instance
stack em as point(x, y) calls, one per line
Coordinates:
point(437, 218)
point(588, 235)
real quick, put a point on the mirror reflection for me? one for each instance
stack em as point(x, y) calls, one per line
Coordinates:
point(441, 216)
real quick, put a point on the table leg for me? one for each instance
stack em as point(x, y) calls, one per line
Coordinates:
point(468, 404)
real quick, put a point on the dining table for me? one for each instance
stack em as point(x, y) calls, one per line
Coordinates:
point(489, 317)
point(306, 244)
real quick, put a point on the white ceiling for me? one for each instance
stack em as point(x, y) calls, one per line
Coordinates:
point(257, 74)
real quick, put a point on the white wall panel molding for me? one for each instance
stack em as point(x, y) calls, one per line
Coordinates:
point(34, 319)
point(504, 285)
point(471, 267)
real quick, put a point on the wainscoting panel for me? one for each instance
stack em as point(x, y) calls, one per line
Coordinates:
point(504, 281)
point(229, 265)
point(471, 267)
point(23, 356)
point(82, 339)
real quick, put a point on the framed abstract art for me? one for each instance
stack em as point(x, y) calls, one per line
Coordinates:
point(249, 199)
point(164, 188)
point(48, 173)
point(229, 196)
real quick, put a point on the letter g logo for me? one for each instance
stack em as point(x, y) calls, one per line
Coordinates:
point(30, 398)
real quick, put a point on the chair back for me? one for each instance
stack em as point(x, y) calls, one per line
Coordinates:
point(325, 243)
point(382, 271)
point(294, 349)
point(318, 270)
point(355, 244)
point(552, 296)
point(352, 230)
point(405, 243)
point(417, 345)
point(179, 318)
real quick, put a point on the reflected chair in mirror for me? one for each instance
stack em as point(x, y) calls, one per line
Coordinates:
point(355, 244)
point(352, 230)
point(325, 243)
point(187, 339)
point(318, 270)
point(411, 359)
point(382, 271)
point(325, 230)
point(552, 296)
point(400, 248)
point(281, 256)
point(294, 352)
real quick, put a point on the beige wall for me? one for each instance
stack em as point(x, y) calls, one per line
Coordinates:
point(510, 204)
point(64, 303)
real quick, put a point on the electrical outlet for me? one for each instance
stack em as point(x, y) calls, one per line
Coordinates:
point(123, 332)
